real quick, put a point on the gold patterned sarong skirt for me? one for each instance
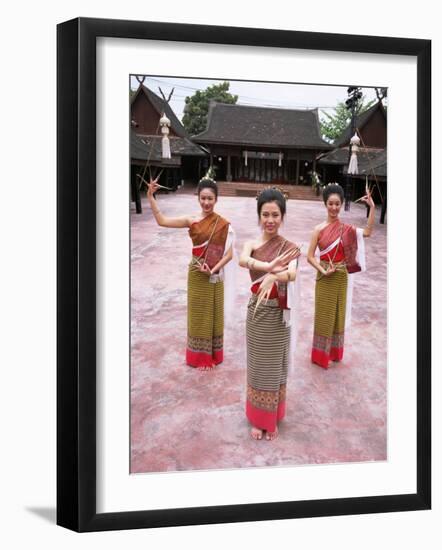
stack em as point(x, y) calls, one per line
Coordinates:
point(330, 304)
point(205, 320)
point(267, 363)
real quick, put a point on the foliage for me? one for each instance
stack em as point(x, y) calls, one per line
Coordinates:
point(315, 181)
point(333, 126)
point(197, 106)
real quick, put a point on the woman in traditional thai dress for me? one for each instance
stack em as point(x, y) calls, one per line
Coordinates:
point(272, 262)
point(212, 239)
point(341, 250)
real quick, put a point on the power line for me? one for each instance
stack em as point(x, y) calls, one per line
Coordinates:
point(243, 98)
point(253, 101)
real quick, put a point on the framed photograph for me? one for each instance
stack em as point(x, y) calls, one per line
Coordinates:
point(168, 412)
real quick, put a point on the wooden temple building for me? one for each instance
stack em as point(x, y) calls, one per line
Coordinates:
point(371, 128)
point(261, 144)
point(187, 157)
point(251, 145)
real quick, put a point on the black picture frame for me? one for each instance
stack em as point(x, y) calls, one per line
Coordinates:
point(77, 287)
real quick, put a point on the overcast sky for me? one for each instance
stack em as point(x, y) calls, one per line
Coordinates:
point(290, 96)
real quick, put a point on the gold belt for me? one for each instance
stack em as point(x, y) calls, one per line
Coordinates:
point(339, 266)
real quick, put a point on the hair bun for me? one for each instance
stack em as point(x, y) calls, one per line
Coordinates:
point(274, 188)
point(331, 189)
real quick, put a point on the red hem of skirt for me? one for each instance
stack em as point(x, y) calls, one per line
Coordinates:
point(336, 354)
point(320, 358)
point(323, 359)
point(264, 420)
point(199, 359)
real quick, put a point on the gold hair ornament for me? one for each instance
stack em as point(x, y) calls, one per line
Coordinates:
point(274, 187)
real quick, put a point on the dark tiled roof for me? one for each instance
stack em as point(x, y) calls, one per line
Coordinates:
point(143, 146)
point(360, 122)
point(370, 161)
point(262, 126)
point(366, 156)
point(377, 165)
point(337, 156)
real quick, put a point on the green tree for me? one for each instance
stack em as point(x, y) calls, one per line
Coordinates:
point(332, 126)
point(197, 106)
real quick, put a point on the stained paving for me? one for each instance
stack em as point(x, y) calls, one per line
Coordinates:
point(184, 419)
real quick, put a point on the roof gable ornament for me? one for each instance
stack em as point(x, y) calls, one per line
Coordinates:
point(140, 79)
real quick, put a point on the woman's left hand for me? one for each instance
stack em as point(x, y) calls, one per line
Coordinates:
point(204, 268)
point(367, 198)
point(266, 288)
point(152, 188)
point(330, 269)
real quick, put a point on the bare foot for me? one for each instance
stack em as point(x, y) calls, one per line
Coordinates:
point(270, 436)
point(256, 433)
point(204, 368)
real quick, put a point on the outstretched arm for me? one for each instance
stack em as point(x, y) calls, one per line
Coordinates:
point(367, 198)
point(162, 220)
point(368, 229)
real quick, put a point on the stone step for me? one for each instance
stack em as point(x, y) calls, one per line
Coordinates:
point(241, 189)
point(246, 189)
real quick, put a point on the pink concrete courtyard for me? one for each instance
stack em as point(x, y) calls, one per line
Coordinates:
point(184, 419)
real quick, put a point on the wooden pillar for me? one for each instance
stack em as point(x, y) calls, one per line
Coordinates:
point(229, 168)
point(136, 193)
point(297, 170)
point(314, 162)
point(384, 207)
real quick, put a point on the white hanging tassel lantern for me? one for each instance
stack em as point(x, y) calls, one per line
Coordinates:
point(165, 143)
point(353, 164)
point(245, 158)
point(280, 160)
